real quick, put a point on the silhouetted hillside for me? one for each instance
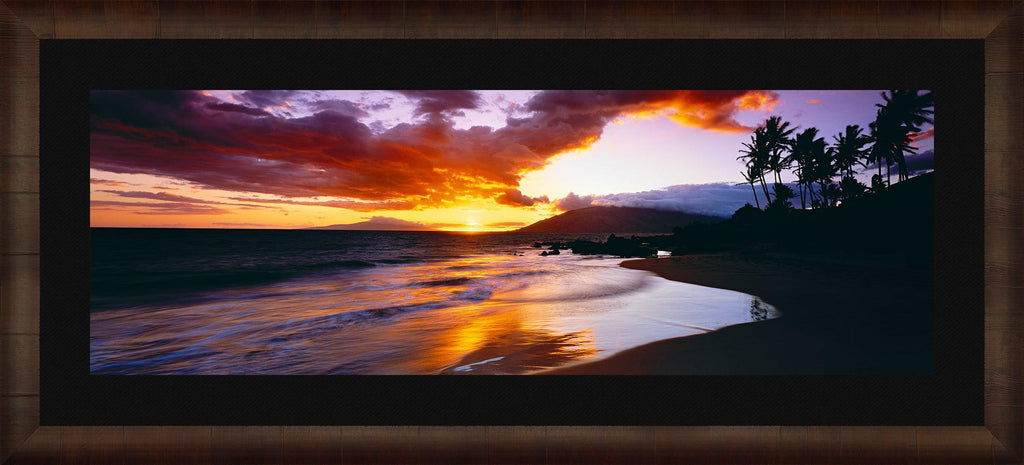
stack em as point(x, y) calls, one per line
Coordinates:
point(898, 220)
point(616, 220)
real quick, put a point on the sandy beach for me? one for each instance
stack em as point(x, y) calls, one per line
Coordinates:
point(841, 314)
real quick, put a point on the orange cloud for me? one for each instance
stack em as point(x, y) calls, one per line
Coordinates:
point(930, 132)
point(427, 162)
point(814, 101)
point(515, 198)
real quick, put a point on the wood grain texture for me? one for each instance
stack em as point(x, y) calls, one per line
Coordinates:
point(19, 173)
point(246, 444)
point(925, 20)
point(1004, 383)
point(92, 445)
point(36, 15)
point(516, 445)
point(549, 19)
point(607, 19)
point(1004, 101)
point(600, 445)
point(19, 225)
point(167, 444)
point(691, 19)
point(947, 445)
point(739, 19)
point(1005, 45)
point(379, 444)
point(19, 294)
point(23, 412)
point(1006, 423)
point(19, 119)
point(451, 19)
point(107, 19)
point(19, 362)
point(206, 19)
point(809, 444)
point(871, 444)
point(1004, 257)
point(807, 19)
point(284, 20)
point(1004, 194)
point(311, 445)
point(42, 448)
point(360, 20)
point(963, 19)
point(716, 444)
point(854, 20)
point(1004, 308)
point(19, 48)
point(23, 22)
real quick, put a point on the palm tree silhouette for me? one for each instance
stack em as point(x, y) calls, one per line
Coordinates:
point(802, 154)
point(757, 155)
point(849, 150)
point(823, 167)
point(777, 132)
point(885, 134)
point(751, 176)
point(901, 116)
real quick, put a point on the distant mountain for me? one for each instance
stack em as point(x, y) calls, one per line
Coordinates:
point(378, 223)
point(616, 220)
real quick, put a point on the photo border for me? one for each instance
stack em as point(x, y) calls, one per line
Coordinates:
point(998, 22)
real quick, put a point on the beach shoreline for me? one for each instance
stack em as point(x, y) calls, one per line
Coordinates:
point(841, 314)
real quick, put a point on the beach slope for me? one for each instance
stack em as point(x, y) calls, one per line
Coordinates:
point(841, 314)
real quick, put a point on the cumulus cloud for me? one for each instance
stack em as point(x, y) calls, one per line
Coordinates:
point(427, 162)
point(437, 101)
point(717, 199)
point(515, 198)
point(574, 202)
point(344, 107)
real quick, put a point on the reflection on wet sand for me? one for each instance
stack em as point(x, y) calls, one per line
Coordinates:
point(484, 314)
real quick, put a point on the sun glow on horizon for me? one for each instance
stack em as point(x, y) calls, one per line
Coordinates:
point(465, 161)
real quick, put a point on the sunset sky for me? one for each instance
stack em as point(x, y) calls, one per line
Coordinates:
point(449, 160)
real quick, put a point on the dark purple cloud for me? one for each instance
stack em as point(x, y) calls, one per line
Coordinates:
point(344, 107)
point(429, 162)
point(265, 98)
point(437, 101)
point(515, 198)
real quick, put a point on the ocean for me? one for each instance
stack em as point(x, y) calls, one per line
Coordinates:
point(321, 302)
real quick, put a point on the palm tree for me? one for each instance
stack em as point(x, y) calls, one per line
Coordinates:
point(751, 176)
point(883, 131)
point(851, 187)
point(823, 168)
point(777, 132)
point(802, 154)
point(757, 154)
point(903, 114)
point(849, 150)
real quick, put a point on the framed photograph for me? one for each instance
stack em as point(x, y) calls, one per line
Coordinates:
point(627, 248)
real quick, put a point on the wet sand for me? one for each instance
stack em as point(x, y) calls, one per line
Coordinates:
point(841, 314)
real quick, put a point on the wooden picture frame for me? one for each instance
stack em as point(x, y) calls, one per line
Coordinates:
point(23, 23)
